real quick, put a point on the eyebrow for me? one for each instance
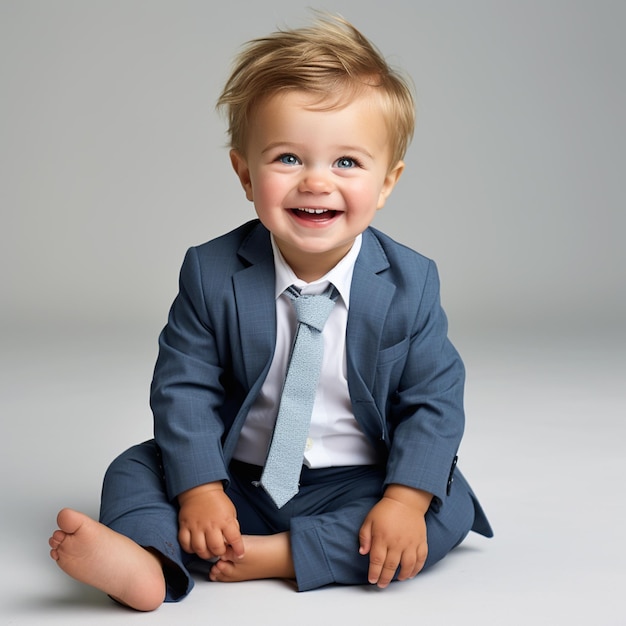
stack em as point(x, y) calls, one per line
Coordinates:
point(275, 145)
point(297, 147)
point(352, 149)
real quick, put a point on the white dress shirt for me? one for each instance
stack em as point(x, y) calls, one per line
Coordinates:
point(335, 438)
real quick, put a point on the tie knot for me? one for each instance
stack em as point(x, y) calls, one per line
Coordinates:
point(312, 310)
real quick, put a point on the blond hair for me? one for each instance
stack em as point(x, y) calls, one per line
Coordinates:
point(332, 59)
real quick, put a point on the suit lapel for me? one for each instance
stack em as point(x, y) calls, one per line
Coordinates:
point(370, 298)
point(256, 305)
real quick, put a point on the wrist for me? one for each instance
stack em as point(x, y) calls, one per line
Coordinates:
point(417, 499)
point(200, 490)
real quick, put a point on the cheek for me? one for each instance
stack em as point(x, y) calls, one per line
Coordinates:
point(363, 195)
point(268, 189)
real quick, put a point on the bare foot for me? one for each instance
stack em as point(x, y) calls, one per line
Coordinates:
point(98, 556)
point(267, 556)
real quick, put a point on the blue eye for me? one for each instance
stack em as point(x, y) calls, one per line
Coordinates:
point(346, 162)
point(289, 159)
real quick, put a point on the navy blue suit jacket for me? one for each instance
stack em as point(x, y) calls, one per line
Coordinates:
point(404, 376)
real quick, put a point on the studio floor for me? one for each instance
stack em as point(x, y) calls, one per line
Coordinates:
point(544, 449)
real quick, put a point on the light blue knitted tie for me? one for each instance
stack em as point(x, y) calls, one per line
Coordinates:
point(281, 474)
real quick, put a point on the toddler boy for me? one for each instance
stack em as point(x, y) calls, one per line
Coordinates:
point(319, 125)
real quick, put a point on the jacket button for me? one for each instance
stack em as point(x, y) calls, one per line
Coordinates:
point(451, 475)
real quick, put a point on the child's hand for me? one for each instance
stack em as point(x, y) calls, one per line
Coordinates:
point(207, 522)
point(394, 535)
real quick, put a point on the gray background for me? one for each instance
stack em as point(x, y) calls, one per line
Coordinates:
point(112, 163)
point(113, 159)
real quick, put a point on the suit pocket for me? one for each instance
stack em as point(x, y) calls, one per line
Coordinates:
point(389, 368)
point(392, 353)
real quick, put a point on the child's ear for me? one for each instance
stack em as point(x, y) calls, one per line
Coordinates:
point(240, 165)
point(392, 177)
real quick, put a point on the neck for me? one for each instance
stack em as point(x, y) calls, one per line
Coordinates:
point(310, 266)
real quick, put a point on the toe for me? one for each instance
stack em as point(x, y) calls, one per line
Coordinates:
point(69, 521)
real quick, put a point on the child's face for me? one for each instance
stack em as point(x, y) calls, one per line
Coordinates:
point(316, 177)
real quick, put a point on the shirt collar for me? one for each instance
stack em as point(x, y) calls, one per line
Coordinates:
point(340, 275)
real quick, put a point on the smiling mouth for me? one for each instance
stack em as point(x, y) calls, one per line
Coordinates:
point(313, 214)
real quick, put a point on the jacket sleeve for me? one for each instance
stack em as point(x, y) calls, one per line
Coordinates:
point(425, 415)
point(186, 394)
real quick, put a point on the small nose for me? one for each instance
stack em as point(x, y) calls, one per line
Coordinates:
point(315, 180)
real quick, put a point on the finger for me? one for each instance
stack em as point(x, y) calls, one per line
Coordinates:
point(365, 538)
point(383, 566)
point(378, 556)
point(215, 543)
point(233, 538)
point(387, 574)
point(422, 554)
point(411, 566)
point(199, 547)
point(408, 566)
point(196, 542)
point(184, 538)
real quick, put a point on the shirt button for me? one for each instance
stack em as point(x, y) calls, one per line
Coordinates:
point(309, 444)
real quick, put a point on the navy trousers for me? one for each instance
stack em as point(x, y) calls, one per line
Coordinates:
point(323, 519)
